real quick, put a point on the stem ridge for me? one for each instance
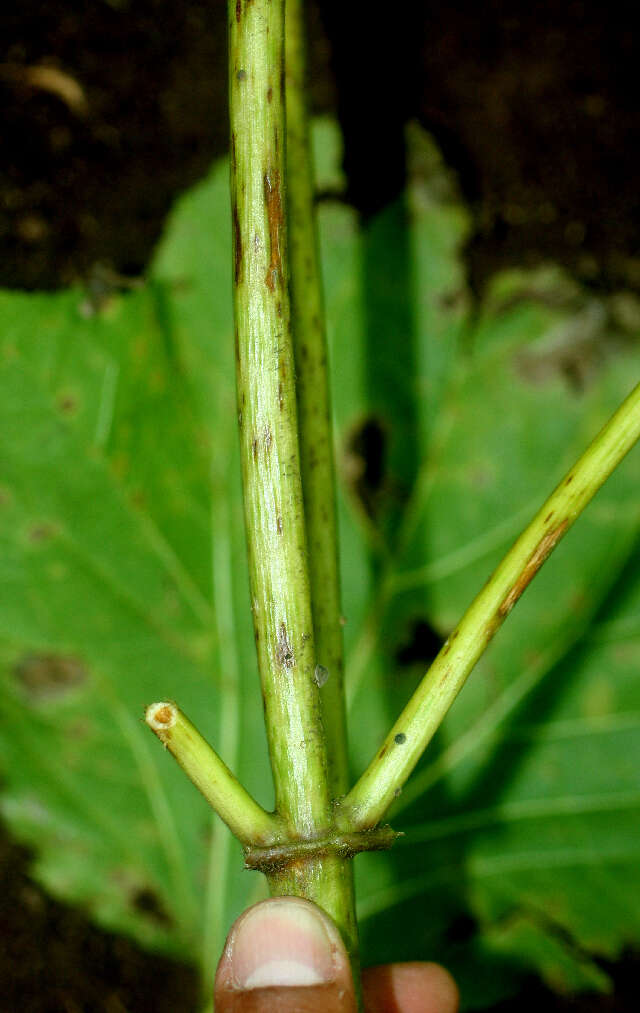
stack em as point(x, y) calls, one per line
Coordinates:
point(344, 845)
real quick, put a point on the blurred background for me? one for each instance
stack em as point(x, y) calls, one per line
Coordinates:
point(111, 109)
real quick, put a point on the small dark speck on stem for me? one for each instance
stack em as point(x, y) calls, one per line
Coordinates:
point(241, 75)
point(400, 738)
point(284, 653)
point(279, 525)
point(269, 94)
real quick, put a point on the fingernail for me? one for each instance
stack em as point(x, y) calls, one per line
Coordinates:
point(283, 942)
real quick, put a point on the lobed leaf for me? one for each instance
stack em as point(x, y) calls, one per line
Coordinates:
point(123, 580)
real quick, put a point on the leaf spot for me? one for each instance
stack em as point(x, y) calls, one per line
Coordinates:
point(47, 676)
point(41, 532)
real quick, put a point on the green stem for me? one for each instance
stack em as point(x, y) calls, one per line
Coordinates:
point(314, 410)
point(274, 514)
point(247, 820)
point(369, 799)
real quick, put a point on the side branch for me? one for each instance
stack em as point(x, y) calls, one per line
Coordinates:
point(369, 799)
point(247, 820)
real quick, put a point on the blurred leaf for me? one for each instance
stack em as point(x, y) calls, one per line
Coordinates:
point(123, 580)
point(124, 566)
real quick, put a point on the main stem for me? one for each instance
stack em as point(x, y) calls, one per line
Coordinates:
point(274, 513)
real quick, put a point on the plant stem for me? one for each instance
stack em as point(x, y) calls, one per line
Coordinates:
point(247, 820)
point(268, 420)
point(367, 802)
point(314, 411)
point(274, 513)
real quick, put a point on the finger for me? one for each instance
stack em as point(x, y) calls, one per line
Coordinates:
point(409, 988)
point(284, 955)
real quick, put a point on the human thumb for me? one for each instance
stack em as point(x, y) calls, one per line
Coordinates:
point(284, 955)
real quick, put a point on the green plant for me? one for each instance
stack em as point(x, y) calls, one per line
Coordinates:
point(319, 824)
point(122, 469)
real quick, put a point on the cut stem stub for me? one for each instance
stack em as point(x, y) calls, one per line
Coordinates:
point(248, 821)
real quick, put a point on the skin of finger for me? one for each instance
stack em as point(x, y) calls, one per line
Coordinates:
point(409, 988)
point(335, 996)
point(331, 998)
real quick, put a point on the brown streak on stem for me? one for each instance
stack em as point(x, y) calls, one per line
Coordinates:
point(275, 219)
point(492, 627)
point(541, 552)
point(237, 245)
point(445, 675)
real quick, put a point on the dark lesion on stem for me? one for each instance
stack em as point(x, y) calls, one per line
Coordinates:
point(237, 246)
point(284, 651)
point(275, 220)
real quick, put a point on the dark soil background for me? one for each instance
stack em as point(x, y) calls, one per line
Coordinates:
point(109, 110)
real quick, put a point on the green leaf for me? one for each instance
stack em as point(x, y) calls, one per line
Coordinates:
point(526, 806)
point(123, 580)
